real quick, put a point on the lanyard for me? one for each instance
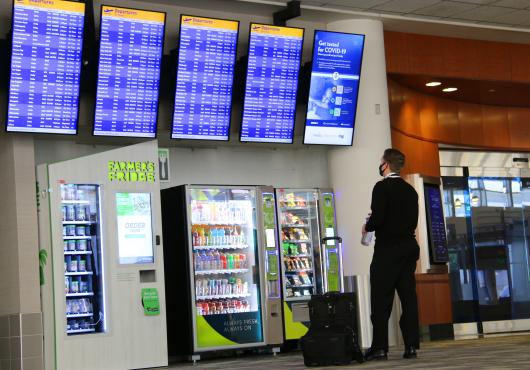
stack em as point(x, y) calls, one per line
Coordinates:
point(392, 175)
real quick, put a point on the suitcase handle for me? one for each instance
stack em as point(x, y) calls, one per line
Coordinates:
point(327, 238)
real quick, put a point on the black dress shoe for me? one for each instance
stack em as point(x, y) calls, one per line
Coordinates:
point(410, 352)
point(375, 354)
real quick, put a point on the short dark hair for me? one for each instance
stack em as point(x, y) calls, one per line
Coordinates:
point(395, 159)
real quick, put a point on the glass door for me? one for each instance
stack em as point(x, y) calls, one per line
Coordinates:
point(225, 266)
point(487, 220)
point(299, 237)
point(83, 272)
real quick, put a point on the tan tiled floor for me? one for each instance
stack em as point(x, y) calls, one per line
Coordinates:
point(507, 352)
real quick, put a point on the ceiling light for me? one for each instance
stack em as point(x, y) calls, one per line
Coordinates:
point(433, 83)
point(449, 89)
point(491, 90)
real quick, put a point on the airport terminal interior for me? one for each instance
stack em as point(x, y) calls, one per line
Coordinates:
point(184, 179)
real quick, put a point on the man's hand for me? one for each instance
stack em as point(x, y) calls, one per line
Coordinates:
point(363, 229)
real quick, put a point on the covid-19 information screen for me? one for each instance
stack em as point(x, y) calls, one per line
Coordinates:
point(205, 74)
point(45, 66)
point(272, 83)
point(130, 55)
point(334, 88)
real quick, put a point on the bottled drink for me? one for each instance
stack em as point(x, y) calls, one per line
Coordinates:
point(223, 261)
point(217, 261)
point(197, 260)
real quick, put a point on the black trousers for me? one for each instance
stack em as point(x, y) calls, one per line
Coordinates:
point(392, 269)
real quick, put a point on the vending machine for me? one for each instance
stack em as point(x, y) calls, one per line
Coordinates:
point(102, 281)
point(222, 269)
point(305, 217)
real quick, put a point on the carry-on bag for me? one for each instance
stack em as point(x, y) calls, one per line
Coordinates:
point(332, 336)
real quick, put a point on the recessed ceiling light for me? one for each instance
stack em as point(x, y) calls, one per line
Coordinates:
point(449, 89)
point(491, 90)
point(433, 83)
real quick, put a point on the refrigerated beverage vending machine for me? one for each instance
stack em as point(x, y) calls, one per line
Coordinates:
point(102, 287)
point(305, 217)
point(222, 269)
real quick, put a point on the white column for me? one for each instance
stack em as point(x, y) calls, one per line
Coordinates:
point(354, 170)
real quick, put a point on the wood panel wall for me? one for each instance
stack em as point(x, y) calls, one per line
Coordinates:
point(436, 120)
point(434, 299)
point(453, 57)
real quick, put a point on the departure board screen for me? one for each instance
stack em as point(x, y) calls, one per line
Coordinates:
point(272, 82)
point(130, 55)
point(436, 223)
point(45, 66)
point(205, 74)
point(335, 74)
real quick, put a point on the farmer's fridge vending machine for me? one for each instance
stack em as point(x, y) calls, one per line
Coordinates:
point(103, 277)
point(305, 216)
point(222, 265)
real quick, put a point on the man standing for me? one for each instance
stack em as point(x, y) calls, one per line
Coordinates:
point(394, 219)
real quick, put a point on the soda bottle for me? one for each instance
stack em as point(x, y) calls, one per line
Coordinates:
point(197, 261)
point(222, 238)
point(243, 261)
point(242, 238)
point(230, 261)
point(223, 261)
point(235, 236)
point(195, 236)
point(218, 262)
point(236, 261)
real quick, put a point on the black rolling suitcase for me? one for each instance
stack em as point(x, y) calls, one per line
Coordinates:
point(332, 336)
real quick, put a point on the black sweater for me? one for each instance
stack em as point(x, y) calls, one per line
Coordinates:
point(394, 211)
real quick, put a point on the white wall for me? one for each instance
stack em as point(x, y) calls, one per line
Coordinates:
point(242, 165)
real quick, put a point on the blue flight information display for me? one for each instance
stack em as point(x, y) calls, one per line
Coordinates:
point(45, 66)
point(272, 82)
point(436, 223)
point(130, 55)
point(205, 74)
point(335, 73)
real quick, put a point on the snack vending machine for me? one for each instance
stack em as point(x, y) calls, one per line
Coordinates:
point(102, 274)
point(305, 216)
point(222, 269)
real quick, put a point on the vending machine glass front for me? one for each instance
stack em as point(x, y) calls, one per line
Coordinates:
point(83, 266)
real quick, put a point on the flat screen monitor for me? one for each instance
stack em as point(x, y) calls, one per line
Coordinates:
point(271, 87)
point(436, 223)
point(130, 54)
point(334, 88)
point(205, 74)
point(135, 228)
point(46, 52)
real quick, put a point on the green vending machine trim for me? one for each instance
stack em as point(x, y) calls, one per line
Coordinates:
point(333, 268)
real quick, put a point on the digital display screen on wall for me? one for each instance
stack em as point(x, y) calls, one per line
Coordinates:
point(272, 83)
point(130, 55)
point(46, 51)
point(334, 88)
point(135, 234)
point(205, 75)
point(436, 224)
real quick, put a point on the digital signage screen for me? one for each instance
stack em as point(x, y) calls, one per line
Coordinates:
point(46, 51)
point(436, 223)
point(271, 87)
point(130, 56)
point(205, 74)
point(334, 88)
point(135, 228)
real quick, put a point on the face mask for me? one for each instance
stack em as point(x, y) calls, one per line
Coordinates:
point(381, 170)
